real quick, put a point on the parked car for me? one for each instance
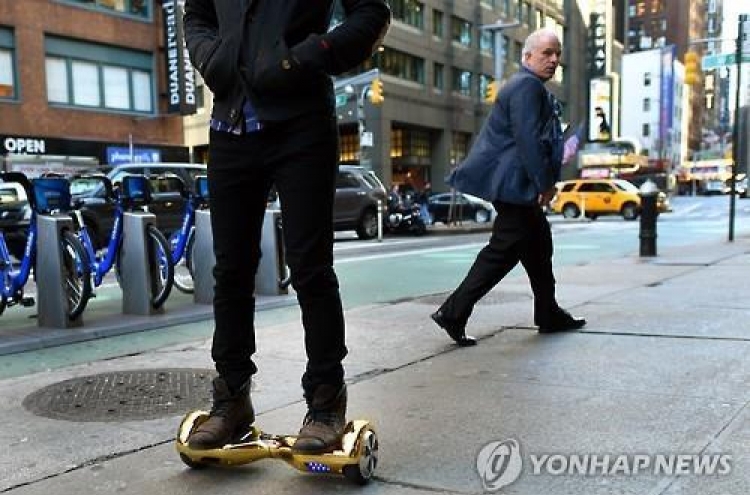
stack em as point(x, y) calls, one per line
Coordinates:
point(358, 191)
point(444, 207)
point(15, 214)
point(596, 197)
point(167, 205)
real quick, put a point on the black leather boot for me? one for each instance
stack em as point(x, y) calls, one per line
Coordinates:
point(231, 415)
point(324, 423)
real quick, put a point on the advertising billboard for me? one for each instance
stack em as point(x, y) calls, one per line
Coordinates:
point(600, 109)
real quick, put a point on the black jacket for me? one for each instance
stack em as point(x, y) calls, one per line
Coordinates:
point(278, 53)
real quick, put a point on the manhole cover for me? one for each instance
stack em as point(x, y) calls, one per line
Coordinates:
point(491, 298)
point(124, 395)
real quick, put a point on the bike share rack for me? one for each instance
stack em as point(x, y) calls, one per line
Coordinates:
point(50, 280)
point(271, 269)
point(203, 259)
point(136, 273)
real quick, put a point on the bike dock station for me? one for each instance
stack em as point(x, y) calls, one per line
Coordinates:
point(269, 279)
point(203, 259)
point(137, 275)
point(51, 284)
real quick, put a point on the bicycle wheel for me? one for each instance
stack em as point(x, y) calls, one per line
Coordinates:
point(160, 266)
point(183, 270)
point(77, 274)
point(3, 302)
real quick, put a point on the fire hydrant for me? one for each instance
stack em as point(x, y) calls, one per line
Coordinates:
point(648, 193)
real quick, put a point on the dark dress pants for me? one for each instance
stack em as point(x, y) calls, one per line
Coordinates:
point(520, 233)
point(300, 158)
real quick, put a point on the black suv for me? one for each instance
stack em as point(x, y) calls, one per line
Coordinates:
point(356, 207)
point(168, 203)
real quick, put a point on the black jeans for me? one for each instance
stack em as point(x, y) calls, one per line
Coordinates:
point(520, 233)
point(300, 158)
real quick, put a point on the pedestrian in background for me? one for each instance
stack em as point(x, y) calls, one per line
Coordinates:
point(268, 64)
point(515, 163)
point(424, 203)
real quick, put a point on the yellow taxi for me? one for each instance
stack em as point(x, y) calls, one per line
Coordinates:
point(595, 197)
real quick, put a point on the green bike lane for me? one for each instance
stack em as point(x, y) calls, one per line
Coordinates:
point(377, 278)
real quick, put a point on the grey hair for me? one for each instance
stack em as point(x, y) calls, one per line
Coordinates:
point(534, 38)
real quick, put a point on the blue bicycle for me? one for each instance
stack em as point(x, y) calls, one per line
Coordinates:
point(181, 242)
point(133, 194)
point(45, 196)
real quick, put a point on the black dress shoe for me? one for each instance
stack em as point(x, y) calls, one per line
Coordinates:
point(455, 330)
point(561, 321)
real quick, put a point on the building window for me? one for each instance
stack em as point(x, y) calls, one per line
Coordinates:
point(484, 82)
point(85, 75)
point(437, 23)
point(402, 65)
point(647, 79)
point(397, 143)
point(140, 8)
point(460, 31)
point(438, 76)
point(410, 12)
point(647, 104)
point(349, 147)
point(646, 130)
point(486, 40)
point(459, 147)
point(7, 65)
point(461, 81)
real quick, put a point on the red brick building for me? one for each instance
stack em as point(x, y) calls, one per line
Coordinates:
point(87, 81)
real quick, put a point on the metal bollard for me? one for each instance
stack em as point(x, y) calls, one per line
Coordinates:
point(380, 221)
point(50, 282)
point(203, 259)
point(647, 233)
point(134, 269)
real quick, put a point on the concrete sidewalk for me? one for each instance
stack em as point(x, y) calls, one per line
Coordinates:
point(662, 369)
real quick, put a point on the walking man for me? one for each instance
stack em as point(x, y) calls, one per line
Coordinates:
point(268, 64)
point(515, 163)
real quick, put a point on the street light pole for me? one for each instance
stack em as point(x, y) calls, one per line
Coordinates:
point(736, 125)
point(496, 29)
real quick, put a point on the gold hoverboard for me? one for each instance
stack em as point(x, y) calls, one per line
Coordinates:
point(356, 459)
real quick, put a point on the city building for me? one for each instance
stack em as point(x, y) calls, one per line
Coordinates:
point(91, 82)
point(436, 67)
point(661, 23)
point(657, 114)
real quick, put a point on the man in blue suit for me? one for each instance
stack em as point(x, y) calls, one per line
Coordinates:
point(515, 163)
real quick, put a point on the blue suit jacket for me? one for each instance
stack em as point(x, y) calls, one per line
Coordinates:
point(518, 153)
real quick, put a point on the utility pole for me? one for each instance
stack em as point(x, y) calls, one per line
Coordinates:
point(741, 25)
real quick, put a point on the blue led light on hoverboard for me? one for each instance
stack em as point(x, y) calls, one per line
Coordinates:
point(317, 467)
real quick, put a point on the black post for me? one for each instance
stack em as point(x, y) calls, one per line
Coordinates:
point(736, 126)
point(647, 233)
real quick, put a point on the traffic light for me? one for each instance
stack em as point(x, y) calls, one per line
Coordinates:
point(490, 94)
point(376, 92)
point(692, 68)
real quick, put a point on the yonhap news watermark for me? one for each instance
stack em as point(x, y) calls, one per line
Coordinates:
point(501, 462)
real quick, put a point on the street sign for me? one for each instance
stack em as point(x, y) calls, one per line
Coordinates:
point(710, 62)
